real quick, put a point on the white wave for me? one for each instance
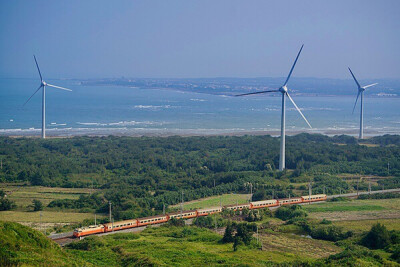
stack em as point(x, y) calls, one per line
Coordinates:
point(197, 99)
point(57, 124)
point(92, 123)
point(152, 107)
point(122, 123)
point(315, 109)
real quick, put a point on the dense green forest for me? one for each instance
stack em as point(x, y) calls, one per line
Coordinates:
point(139, 175)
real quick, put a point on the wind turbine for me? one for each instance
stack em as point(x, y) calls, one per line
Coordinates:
point(284, 91)
point(43, 85)
point(361, 90)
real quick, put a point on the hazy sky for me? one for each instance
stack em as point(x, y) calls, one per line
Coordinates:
point(79, 39)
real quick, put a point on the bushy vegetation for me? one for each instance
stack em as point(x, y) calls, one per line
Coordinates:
point(6, 204)
point(23, 246)
point(37, 205)
point(289, 212)
point(380, 196)
point(140, 175)
point(379, 237)
point(239, 234)
point(354, 256)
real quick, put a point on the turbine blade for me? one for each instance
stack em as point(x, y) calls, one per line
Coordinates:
point(369, 85)
point(294, 64)
point(294, 104)
point(261, 92)
point(359, 92)
point(59, 87)
point(32, 95)
point(354, 78)
point(37, 65)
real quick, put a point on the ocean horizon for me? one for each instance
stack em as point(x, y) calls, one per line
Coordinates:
point(119, 110)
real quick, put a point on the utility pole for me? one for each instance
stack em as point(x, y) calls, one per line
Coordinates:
point(41, 228)
point(340, 191)
point(324, 192)
point(109, 203)
point(95, 221)
point(369, 187)
point(163, 208)
point(358, 181)
point(309, 192)
point(251, 192)
point(182, 205)
point(220, 201)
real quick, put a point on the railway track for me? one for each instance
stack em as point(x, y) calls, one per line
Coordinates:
point(66, 238)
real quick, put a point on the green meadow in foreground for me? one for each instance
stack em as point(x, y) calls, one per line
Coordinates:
point(180, 246)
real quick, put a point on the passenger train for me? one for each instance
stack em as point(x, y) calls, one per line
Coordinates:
point(126, 224)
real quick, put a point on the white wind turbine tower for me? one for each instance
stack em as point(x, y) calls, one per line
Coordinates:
point(284, 90)
point(361, 90)
point(43, 85)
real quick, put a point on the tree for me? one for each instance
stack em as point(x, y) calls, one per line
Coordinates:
point(243, 231)
point(377, 238)
point(228, 235)
point(37, 205)
point(6, 204)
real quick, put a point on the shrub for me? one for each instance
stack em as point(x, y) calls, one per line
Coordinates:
point(228, 235)
point(89, 243)
point(287, 213)
point(6, 204)
point(37, 205)
point(395, 250)
point(377, 238)
point(330, 233)
point(176, 222)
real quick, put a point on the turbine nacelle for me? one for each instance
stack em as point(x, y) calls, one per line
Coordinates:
point(283, 89)
point(44, 83)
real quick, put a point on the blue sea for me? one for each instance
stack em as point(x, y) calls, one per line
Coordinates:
point(114, 110)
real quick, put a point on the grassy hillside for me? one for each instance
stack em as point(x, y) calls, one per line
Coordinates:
point(21, 245)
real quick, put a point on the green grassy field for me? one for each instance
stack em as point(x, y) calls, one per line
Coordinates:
point(23, 195)
point(297, 245)
point(47, 216)
point(23, 246)
point(226, 199)
point(356, 210)
point(365, 225)
point(192, 246)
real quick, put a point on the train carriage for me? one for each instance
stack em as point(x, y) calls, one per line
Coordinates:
point(120, 225)
point(313, 198)
point(290, 201)
point(264, 204)
point(152, 220)
point(238, 207)
point(183, 215)
point(208, 211)
point(89, 230)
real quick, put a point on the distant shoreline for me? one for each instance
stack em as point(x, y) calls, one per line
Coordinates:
point(60, 133)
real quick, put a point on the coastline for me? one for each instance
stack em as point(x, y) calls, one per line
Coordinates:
point(158, 132)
